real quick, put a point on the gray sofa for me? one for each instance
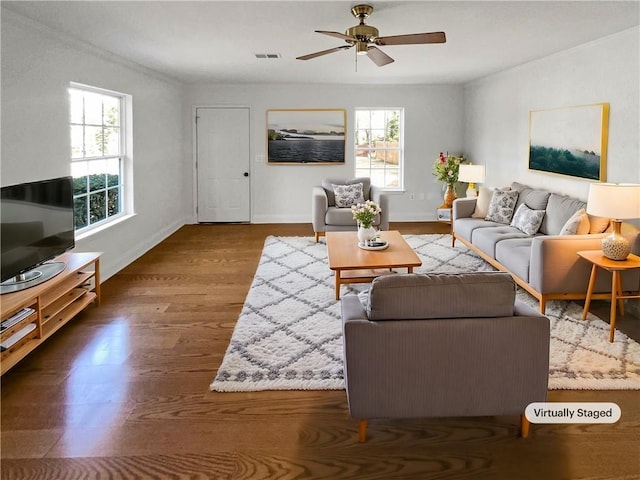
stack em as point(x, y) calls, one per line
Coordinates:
point(544, 263)
point(326, 217)
point(443, 345)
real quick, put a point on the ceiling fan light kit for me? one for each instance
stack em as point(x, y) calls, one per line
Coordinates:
point(366, 38)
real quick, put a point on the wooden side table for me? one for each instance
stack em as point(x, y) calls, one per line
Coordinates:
point(445, 215)
point(598, 260)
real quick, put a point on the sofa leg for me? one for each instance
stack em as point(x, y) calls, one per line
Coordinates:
point(317, 237)
point(524, 426)
point(453, 240)
point(362, 431)
point(543, 305)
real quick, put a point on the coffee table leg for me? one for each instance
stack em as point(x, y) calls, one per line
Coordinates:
point(337, 284)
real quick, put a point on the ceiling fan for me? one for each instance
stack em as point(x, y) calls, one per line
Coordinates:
point(365, 38)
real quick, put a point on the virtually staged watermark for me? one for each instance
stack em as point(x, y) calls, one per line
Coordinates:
point(573, 412)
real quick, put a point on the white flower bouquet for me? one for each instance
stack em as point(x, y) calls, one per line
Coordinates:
point(365, 213)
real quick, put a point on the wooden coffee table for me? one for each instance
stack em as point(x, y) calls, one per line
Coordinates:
point(352, 264)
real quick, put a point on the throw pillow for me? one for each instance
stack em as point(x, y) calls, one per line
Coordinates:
point(526, 220)
point(501, 206)
point(578, 224)
point(598, 224)
point(482, 202)
point(347, 195)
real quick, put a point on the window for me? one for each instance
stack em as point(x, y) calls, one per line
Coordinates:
point(378, 146)
point(97, 155)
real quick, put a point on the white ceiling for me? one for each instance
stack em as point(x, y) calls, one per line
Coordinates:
point(216, 41)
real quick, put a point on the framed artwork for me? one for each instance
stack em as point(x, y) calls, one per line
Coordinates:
point(306, 136)
point(570, 141)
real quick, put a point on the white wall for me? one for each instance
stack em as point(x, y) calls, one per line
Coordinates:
point(37, 67)
point(497, 110)
point(487, 120)
point(282, 193)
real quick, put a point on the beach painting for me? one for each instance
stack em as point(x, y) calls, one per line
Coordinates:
point(306, 136)
point(570, 141)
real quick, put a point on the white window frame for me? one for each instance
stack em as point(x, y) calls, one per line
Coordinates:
point(125, 194)
point(373, 171)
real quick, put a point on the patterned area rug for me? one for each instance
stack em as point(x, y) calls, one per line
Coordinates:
point(288, 336)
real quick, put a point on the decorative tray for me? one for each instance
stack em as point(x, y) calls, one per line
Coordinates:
point(377, 245)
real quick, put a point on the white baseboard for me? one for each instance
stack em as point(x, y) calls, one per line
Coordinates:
point(400, 217)
point(306, 219)
point(281, 219)
point(110, 265)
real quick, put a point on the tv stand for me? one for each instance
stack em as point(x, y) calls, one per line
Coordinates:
point(32, 315)
point(33, 277)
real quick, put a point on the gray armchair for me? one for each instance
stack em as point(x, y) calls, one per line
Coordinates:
point(326, 217)
point(443, 345)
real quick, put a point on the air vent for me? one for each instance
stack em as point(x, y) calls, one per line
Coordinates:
point(268, 55)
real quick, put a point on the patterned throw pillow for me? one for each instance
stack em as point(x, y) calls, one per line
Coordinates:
point(347, 195)
point(501, 206)
point(526, 220)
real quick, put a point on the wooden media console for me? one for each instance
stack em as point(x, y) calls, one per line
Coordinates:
point(43, 309)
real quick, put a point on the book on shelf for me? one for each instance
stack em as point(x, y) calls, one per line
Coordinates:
point(16, 337)
point(15, 318)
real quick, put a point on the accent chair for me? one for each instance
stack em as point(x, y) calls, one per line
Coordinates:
point(326, 216)
point(443, 345)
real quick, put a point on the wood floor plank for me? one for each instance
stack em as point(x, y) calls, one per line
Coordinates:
point(123, 392)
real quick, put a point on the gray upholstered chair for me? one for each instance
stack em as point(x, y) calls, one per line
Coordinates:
point(326, 217)
point(443, 345)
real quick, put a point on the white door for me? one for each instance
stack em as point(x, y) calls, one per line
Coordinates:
point(222, 149)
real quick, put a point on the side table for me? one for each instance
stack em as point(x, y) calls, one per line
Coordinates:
point(445, 216)
point(598, 260)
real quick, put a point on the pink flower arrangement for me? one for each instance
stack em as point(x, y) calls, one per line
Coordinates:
point(447, 167)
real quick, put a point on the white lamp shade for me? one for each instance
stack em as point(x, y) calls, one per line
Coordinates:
point(471, 173)
point(614, 200)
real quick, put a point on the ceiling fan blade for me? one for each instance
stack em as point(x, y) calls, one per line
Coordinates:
point(323, 52)
point(337, 35)
point(412, 39)
point(378, 56)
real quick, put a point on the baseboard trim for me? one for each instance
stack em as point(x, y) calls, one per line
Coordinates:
point(110, 265)
point(307, 218)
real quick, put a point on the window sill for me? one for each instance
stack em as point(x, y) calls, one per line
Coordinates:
point(105, 226)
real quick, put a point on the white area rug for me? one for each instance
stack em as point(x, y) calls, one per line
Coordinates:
point(289, 337)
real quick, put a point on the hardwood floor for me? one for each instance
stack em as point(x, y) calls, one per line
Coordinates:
point(122, 392)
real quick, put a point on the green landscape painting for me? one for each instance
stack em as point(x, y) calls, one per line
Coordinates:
point(570, 141)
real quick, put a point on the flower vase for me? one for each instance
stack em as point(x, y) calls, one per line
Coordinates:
point(365, 234)
point(449, 197)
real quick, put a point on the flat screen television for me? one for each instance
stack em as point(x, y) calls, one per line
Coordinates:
point(36, 222)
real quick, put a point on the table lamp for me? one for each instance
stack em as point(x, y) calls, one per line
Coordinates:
point(472, 174)
point(617, 201)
